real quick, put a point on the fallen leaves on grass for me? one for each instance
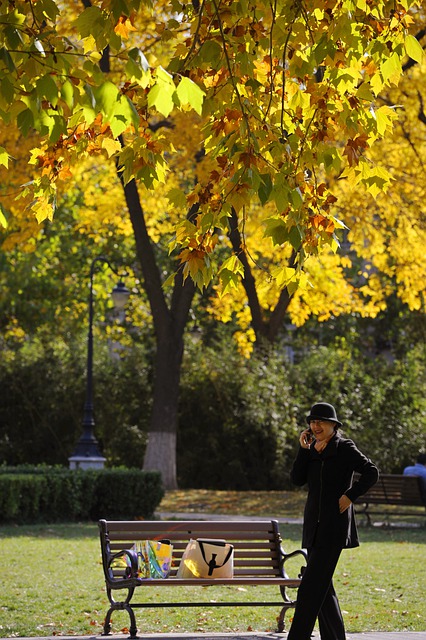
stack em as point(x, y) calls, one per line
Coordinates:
point(247, 503)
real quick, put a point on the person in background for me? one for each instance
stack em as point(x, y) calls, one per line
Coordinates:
point(326, 462)
point(418, 469)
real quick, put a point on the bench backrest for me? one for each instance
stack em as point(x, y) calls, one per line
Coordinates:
point(395, 489)
point(256, 544)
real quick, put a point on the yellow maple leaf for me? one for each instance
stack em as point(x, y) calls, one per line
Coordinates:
point(111, 146)
point(42, 209)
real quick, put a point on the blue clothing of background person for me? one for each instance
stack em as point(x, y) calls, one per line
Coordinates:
point(419, 470)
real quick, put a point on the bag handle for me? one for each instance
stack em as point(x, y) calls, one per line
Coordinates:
point(212, 563)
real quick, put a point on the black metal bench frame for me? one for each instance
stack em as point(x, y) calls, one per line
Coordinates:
point(396, 491)
point(259, 559)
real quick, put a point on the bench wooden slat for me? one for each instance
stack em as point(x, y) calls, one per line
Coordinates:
point(240, 548)
point(191, 526)
point(252, 552)
point(234, 582)
point(177, 536)
point(260, 555)
point(254, 564)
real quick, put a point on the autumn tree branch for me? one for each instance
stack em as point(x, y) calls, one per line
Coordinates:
point(248, 280)
point(421, 114)
point(280, 310)
point(261, 327)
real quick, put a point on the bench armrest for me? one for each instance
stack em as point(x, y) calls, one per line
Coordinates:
point(131, 570)
point(286, 556)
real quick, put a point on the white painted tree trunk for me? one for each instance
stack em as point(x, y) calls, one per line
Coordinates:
point(160, 455)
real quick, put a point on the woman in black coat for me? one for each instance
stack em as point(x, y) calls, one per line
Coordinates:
point(326, 462)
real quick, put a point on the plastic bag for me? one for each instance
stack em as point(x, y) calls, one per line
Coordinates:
point(154, 558)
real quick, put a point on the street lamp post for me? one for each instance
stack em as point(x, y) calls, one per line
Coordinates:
point(86, 454)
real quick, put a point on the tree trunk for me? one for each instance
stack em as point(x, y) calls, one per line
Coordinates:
point(160, 453)
point(169, 325)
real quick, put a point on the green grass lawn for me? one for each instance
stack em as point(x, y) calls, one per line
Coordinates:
point(51, 581)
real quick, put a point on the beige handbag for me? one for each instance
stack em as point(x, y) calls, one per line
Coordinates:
point(205, 558)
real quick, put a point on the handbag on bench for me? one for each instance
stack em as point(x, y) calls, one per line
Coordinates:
point(205, 558)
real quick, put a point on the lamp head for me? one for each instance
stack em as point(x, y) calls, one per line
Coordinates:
point(120, 295)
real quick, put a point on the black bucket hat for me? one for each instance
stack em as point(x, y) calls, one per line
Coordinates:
point(323, 411)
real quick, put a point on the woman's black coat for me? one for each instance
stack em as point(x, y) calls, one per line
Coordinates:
point(329, 475)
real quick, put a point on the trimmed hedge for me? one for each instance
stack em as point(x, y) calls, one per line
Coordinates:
point(54, 494)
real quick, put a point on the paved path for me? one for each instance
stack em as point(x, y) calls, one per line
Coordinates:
point(167, 515)
point(403, 635)
point(275, 636)
point(278, 636)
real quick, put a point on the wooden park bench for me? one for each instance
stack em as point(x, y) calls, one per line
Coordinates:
point(394, 491)
point(259, 560)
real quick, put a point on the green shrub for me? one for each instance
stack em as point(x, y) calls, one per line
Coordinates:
point(42, 404)
point(237, 427)
point(240, 419)
point(125, 493)
point(380, 402)
point(54, 494)
point(20, 497)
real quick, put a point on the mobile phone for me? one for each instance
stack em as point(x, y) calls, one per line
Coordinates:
point(309, 436)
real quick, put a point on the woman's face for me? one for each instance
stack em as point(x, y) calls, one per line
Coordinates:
point(322, 429)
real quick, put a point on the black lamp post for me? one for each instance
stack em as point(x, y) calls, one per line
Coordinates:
point(86, 454)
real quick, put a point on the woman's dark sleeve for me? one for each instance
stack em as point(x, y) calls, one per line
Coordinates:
point(299, 471)
point(368, 471)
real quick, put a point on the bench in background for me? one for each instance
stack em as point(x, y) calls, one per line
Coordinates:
point(259, 559)
point(395, 491)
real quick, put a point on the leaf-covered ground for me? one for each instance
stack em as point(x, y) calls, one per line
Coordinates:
point(243, 503)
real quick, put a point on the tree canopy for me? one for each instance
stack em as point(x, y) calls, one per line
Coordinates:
point(224, 134)
point(286, 97)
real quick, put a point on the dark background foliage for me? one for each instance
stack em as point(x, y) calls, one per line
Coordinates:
point(239, 418)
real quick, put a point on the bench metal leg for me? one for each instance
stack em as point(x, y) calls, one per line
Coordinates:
point(288, 604)
point(121, 606)
point(281, 618)
point(133, 629)
point(107, 623)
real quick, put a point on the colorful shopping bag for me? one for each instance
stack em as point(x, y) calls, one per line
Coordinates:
point(154, 558)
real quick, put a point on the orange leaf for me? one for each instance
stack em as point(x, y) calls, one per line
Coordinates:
point(192, 198)
point(123, 27)
point(317, 221)
point(247, 159)
point(352, 154)
point(64, 173)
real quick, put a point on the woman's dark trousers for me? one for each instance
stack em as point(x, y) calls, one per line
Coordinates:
point(316, 598)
